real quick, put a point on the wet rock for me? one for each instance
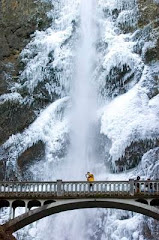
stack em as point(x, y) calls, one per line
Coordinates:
point(41, 96)
point(18, 20)
point(15, 117)
point(31, 156)
point(152, 83)
point(149, 19)
point(152, 53)
point(5, 236)
point(5, 51)
point(2, 170)
point(148, 12)
point(3, 83)
point(133, 154)
point(120, 80)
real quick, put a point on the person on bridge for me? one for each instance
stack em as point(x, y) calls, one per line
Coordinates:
point(90, 179)
point(138, 184)
point(149, 186)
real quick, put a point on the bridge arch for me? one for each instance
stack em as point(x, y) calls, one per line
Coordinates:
point(34, 203)
point(141, 200)
point(154, 202)
point(4, 203)
point(18, 203)
point(72, 204)
point(48, 202)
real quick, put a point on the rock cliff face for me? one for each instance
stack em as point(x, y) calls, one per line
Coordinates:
point(149, 19)
point(148, 12)
point(148, 47)
point(18, 20)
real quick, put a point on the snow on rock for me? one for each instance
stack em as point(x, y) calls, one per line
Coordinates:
point(15, 97)
point(149, 165)
point(117, 4)
point(128, 118)
point(120, 54)
point(49, 55)
point(49, 127)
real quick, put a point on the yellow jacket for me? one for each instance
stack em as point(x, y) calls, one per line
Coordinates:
point(90, 177)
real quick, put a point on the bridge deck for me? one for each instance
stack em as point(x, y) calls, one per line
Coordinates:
point(60, 189)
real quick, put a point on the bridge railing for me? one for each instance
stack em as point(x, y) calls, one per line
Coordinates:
point(96, 187)
point(146, 187)
point(25, 187)
point(63, 188)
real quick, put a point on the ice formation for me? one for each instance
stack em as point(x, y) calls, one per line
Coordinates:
point(125, 112)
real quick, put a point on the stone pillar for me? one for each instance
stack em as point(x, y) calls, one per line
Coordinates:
point(59, 188)
point(10, 212)
point(131, 182)
point(26, 206)
point(13, 211)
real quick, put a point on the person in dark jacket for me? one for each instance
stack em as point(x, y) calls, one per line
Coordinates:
point(137, 184)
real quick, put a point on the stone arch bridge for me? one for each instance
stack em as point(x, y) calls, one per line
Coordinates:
point(48, 198)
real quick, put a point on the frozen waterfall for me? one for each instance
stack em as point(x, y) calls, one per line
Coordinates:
point(83, 95)
point(90, 64)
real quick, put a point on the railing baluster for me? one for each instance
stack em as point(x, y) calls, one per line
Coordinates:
point(84, 187)
point(104, 187)
point(97, 187)
point(80, 189)
point(153, 189)
point(101, 187)
point(17, 187)
point(114, 187)
point(76, 188)
point(143, 190)
point(68, 188)
point(122, 189)
point(117, 188)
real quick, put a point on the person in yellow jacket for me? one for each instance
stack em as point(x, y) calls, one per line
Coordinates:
point(90, 178)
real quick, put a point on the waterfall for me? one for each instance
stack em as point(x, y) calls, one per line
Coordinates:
point(83, 94)
point(92, 50)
